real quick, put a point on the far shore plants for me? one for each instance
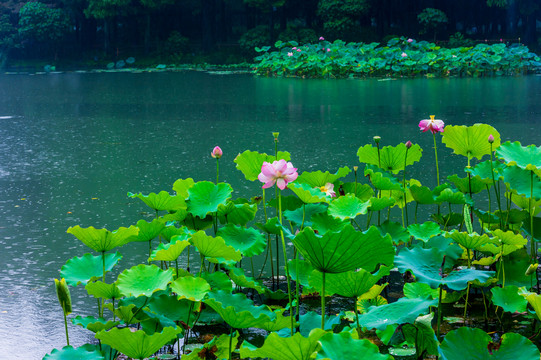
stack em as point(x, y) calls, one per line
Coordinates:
point(460, 249)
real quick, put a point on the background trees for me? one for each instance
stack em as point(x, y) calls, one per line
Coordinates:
point(214, 30)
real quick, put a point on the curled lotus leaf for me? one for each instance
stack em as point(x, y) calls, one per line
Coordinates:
point(453, 197)
point(317, 179)
point(486, 169)
point(470, 141)
point(101, 240)
point(161, 201)
point(403, 311)
point(250, 162)
point(362, 191)
point(237, 310)
point(346, 250)
point(352, 283)
point(377, 204)
point(348, 207)
point(218, 281)
point(281, 322)
point(422, 335)
point(238, 214)
point(344, 346)
point(81, 270)
point(215, 248)
point(137, 344)
point(191, 288)
point(143, 280)
point(390, 158)
point(323, 222)
point(397, 232)
point(303, 214)
point(70, 353)
point(471, 241)
point(425, 264)
point(169, 231)
point(307, 193)
point(170, 251)
point(218, 347)
point(509, 299)
point(535, 301)
point(94, 324)
point(181, 187)
point(248, 241)
point(462, 343)
point(525, 182)
point(241, 279)
point(173, 308)
point(99, 289)
point(474, 184)
point(296, 347)
point(424, 231)
point(525, 157)
point(149, 230)
point(381, 180)
point(205, 197)
point(423, 195)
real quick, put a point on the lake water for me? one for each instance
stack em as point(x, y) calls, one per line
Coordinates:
point(72, 146)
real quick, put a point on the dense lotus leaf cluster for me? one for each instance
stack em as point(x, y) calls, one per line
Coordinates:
point(399, 57)
point(471, 242)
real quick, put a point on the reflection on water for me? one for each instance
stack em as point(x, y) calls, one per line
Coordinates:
point(73, 145)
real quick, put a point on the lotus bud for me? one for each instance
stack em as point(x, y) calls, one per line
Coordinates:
point(531, 269)
point(216, 152)
point(490, 139)
point(355, 168)
point(63, 294)
point(408, 144)
point(275, 134)
point(377, 139)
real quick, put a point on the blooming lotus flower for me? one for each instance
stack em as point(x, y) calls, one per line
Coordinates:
point(299, 50)
point(289, 54)
point(294, 48)
point(410, 40)
point(434, 125)
point(328, 50)
point(279, 172)
point(321, 38)
point(216, 152)
point(404, 55)
point(328, 189)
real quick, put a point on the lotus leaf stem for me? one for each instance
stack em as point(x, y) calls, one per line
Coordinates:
point(286, 264)
point(323, 302)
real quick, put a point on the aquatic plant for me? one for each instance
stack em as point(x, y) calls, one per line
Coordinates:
point(203, 240)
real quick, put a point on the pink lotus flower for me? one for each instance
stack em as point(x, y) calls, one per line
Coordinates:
point(328, 189)
point(434, 125)
point(299, 50)
point(294, 48)
point(321, 38)
point(289, 54)
point(404, 55)
point(410, 40)
point(216, 152)
point(279, 172)
point(408, 144)
point(328, 50)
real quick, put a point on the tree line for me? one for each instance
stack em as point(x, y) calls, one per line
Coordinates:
point(177, 30)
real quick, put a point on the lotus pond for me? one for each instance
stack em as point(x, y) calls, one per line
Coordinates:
point(151, 181)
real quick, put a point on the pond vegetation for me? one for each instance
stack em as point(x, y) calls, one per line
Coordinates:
point(351, 235)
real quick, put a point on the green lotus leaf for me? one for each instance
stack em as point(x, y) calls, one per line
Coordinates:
point(346, 250)
point(241, 279)
point(475, 182)
point(174, 309)
point(205, 197)
point(101, 240)
point(239, 214)
point(351, 283)
point(94, 324)
point(509, 299)
point(365, 304)
point(398, 196)
point(460, 344)
point(524, 203)
point(381, 180)
point(125, 313)
point(381, 203)
point(149, 230)
point(525, 182)
point(422, 335)
point(307, 193)
point(343, 346)
point(237, 310)
point(317, 179)
point(424, 231)
point(81, 270)
point(535, 301)
point(195, 223)
point(446, 247)
point(323, 222)
point(215, 248)
point(348, 207)
point(509, 240)
point(191, 288)
point(304, 213)
point(402, 311)
point(515, 266)
point(312, 320)
point(181, 187)
point(420, 290)
point(218, 347)
point(175, 217)
point(170, 251)
point(525, 157)
point(422, 194)
point(470, 141)
point(169, 231)
point(300, 270)
point(289, 203)
point(449, 220)
point(361, 191)
point(486, 169)
point(425, 264)
point(453, 197)
point(161, 201)
point(390, 158)
point(70, 353)
point(99, 289)
point(272, 226)
point(143, 280)
point(137, 344)
point(470, 241)
point(295, 347)
point(281, 322)
point(397, 232)
point(536, 227)
point(248, 241)
point(250, 162)
point(218, 281)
